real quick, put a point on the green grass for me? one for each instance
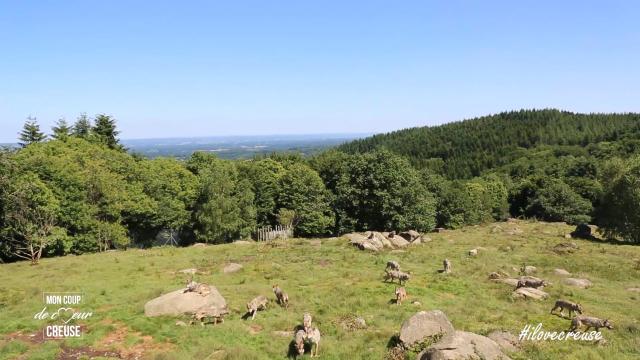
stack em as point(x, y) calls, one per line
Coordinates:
point(332, 281)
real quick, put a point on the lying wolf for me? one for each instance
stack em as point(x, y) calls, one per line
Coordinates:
point(396, 274)
point(589, 322)
point(258, 303)
point(209, 312)
point(198, 288)
point(530, 283)
point(564, 304)
point(281, 297)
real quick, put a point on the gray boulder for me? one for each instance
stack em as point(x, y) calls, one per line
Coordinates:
point(462, 345)
point(581, 283)
point(398, 241)
point(178, 302)
point(506, 340)
point(561, 272)
point(232, 268)
point(410, 235)
point(529, 293)
point(425, 325)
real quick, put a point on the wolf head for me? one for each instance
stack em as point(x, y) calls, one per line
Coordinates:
point(607, 324)
point(578, 308)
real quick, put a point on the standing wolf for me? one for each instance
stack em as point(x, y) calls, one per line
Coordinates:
point(393, 265)
point(589, 322)
point(401, 294)
point(564, 304)
point(258, 303)
point(396, 274)
point(281, 297)
point(447, 266)
point(306, 321)
point(313, 335)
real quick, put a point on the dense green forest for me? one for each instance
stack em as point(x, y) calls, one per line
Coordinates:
point(468, 148)
point(78, 190)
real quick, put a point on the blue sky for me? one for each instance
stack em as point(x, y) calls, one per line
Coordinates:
point(187, 68)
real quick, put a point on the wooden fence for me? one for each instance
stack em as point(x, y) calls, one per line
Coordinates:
point(268, 233)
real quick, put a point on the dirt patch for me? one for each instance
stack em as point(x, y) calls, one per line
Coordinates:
point(324, 262)
point(116, 340)
point(32, 338)
point(254, 329)
point(86, 353)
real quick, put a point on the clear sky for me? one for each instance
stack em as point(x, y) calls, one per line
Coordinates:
point(187, 68)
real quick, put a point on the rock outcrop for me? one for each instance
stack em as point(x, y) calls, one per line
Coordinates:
point(179, 302)
point(581, 283)
point(529, 293)
point(424, 326)
point(462, 345)
point(377, 241)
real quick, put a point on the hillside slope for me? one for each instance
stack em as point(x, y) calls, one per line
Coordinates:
point(468, 147)
point(334, 282)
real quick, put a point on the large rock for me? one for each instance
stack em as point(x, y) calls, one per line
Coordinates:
point(561, 272)
point(179, 302)
point(398, 241)
point(508, 281)
point(506, 340)
point(425, 325)
point(462, 345)
point(232, 268)
point(528, 270)
point(410, 235)
point(529, 293)
point(582, 231)
point(382, 239)
point(581, 283)
point(362, 242)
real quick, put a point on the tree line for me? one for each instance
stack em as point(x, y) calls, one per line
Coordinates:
point(78, 190)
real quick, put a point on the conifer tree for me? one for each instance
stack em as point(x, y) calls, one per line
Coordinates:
point(82, 126)
point(105, 130)
point(31, 132)
point(62, 130)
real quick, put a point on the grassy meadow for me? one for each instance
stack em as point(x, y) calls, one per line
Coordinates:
point(335, 282)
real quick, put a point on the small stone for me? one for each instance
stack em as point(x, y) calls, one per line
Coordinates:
point(180, 323)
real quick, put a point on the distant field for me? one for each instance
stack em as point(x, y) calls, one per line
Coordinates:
point(238, 147)
point(334, 282)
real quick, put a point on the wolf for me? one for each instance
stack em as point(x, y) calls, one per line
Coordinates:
point(396, 274)
point(281, 297)
point(401, 294)
point(589, 322)
point(299, 341)
point(447, 266)
point(531, 283)
point(209, 312)
point(306, 321)
point(564, 304)
point(313, 335)
point(258, 303)
point(393, 265)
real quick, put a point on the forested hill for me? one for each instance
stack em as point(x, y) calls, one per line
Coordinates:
point(466, 148)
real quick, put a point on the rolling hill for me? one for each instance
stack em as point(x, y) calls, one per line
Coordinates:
point(466, 148)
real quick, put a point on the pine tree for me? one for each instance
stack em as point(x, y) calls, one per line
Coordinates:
point(31, 133)
point(62, 130)
point(105, 130)
point(82, 127)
